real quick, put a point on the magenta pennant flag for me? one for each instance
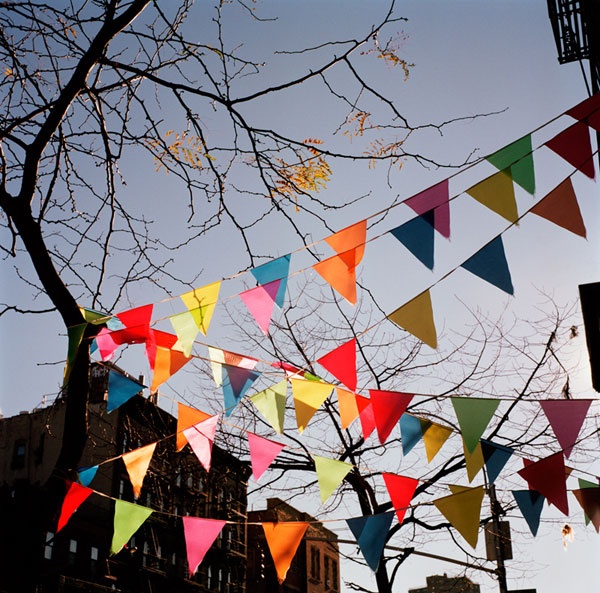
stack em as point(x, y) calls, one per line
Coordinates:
point(260, 301)
point(436, 199)
point(566, 417)
point(388, 406)
point(199, 537)
point(341, 363)
point(549, 477)
point(74, 497)
point(573, 145)
point(106, 344)
point(201, 437)
point(262, 453)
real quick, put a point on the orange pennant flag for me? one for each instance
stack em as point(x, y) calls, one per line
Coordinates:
point(348, 407)
point(340, 272)
point(283, 540)
point(416, 317)
point(353, 236)
point(462, 510)
point(137, 463)
point(308, 398)
point(433, 438)
point(187, 417)
point(498, 194)
point(560, 207)
point(166, 364)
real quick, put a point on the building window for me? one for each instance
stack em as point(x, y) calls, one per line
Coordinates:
point(334, 574)
point(49, 545)
point(326, 571)
point(315, 563)
point(19, 452)
point(93, 560)
point(72, 551)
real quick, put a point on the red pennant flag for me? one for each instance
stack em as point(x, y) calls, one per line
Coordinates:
point(548, 477)
point(401, 490)
point(158, 339)
point(365, 413)
point(588, 110)
point(75, 496)
point(566, 416)
point(560, 207)
point(573, 145)
point(388, 406)
point(341, 363)
point(137, 322)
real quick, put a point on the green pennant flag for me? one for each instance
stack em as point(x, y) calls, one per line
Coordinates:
point(271, 404)
point(330, 473)
point(517, 156)
point(75, 333)
point(473, 414)
point(128, 519)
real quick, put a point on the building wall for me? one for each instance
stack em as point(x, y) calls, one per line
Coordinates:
point(445, 584)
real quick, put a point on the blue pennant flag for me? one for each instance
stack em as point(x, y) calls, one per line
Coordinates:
point(278, 269)
point(530, 504)
point(371, 533)
point(495, 457)
point(120, 390)
point(411, 432)
point(417, 235)
point(236, 382)
point(489, 263)
point(86, 475)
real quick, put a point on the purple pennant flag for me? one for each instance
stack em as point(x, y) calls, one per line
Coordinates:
point(566, 416)
point(236, 381)
point(436, 202)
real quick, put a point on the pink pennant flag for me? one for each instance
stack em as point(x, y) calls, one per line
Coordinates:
point(401, 490)
point(200, 535)
point(388, 406)
point(566, 417)
point(341, 363)
point(260, 301)
point(262, 453)
point(435, 198)
point(548, 477)
point(365, 413)
point(573, 145)
point(74, 497)
point(201, 437)
point(106, 344)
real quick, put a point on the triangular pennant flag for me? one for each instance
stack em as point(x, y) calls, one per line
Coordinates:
point(340, 272)
point(574, 145)
point(371, 533)
point(495, 457)
point(277, 269)
point(388, 407)
point(586, 484)
point(200, 535)
point(436, 200)
point(159, 339)
point(260, 301)
point(411, 431)
point(330, 474)
point(517, 156)
point(401, 490)
point(262, 453)
point(416, 317)
point(236, 382)
point(283, 540)
point(137, 322)
point(186, 417)
point(120, 390)
point(308, 398)
point(166, 364)
point(75, 333)
point(271, 404)
point(219, 357)
point(588, 107)
point(106, 343)
point(434, 438)
point(548, 477)
point(566, 417)
point(74, 497)
point(353, 236)
point(347, 407)
point(86, 475)
point(186, 329)
point(589, 499)
point(96, 317)
point(531, 504)
point(201, 303)
point(498, 194)
point(137, 462)
point(473, 414)
point(560, 207)
point(489, 263)
point(417, 235)
point(127, 520)
point(462, 510)
point(341, 363)
point(474, 461)
point(366, 415)
point(201, 437)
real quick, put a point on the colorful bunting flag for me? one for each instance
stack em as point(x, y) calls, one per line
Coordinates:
point(353, 237)
point(86, 475)
point(120, 390)
point(137, 323)
point(489, 263)
point(106, 343)
point(330, 474)
point(262, 453)
point(283, 540)
point(235, 383)
point(128, 519)
point(462, 510)
point(186, 329)
point(201, 303)
point(518, 157)
point(277, 269)
point(548, 477)
point(589, 499)
point(586, 484)
point(260, 301)
point(347, 407)
point(388, 407)
point(531, 504)
point(474, 461)
point(587, 109)
point(308, 398)
point(495, 456)
point(158, 339)
point(473, 414)
point(186, 417)
point(498, 194)
point(371, 533)
point(340, 272)
point(137, 462)
point(434, 200)
point(201, 437)
point(434, 438)
point(166, 364)
point(417, 235)
point(575, 147)
point(341, 363)
point(219, 357)
point(416, 317)
point(76, 494)
point(401, 490)
point(75, 333)
point(366, 415)
point(411, 431)
point(566, 417)
point(200, 535)
point(271, 404)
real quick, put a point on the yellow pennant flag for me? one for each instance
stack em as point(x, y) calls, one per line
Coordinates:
point(347, 407)
point(137, 463)
point(186, 329)
point(474, 461)
point(308, 398)
point(433, 438)
point(330, 473)
point(187, 417)
point(498, 194)
point(283, 540)
point(462, 510)
point(201, 303)
point(416, 317)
